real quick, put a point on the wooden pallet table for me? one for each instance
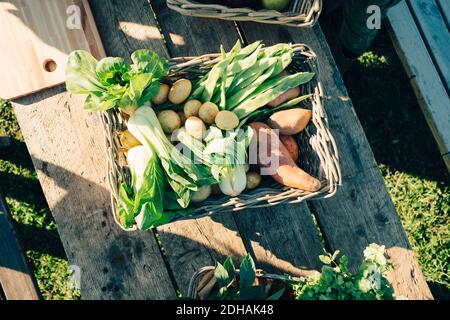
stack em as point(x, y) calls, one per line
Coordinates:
point(66, 144)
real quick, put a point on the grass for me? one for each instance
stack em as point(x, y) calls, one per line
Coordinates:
point(398, 134)
point(408, 157)
point(36, 227)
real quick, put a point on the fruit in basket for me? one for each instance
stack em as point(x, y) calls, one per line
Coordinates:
point(180, 91)
point(208, 112)
point(279, 162)
point(253, 180)
point(291, 145)
point(201, 194)
point(275, 4)
point(191, 108)
point(162, 94)
point(291, 121)
point(226, 120)
point(127, 140)
point(195, 127)
point(169, 120)
point(288, 95)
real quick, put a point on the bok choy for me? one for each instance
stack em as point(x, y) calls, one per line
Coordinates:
point(113, 82)
point(182, 174)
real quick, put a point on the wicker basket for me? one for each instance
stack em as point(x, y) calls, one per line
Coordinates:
point(300, 13)
point(318, 156)
point(203, 282)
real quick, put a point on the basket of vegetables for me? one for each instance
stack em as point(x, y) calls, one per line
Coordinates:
point(333, 282)
point(224, 282)
point(220, 132)
point(293, 13)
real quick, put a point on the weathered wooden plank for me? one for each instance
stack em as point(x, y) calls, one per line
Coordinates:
point(16, 280)
point(67, 147)
point(425, 80)
point(444, 7)
point(264, 232)
point(362, 211)
point(435, 33)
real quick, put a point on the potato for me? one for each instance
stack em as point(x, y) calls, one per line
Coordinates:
point(253, 180)
point(195, 127)
point(291, 145)
point(127, 140)
point(208, 112)
point(226, 120)
point(290, 122)
point(180, 91)
point(169, 120)
point(191, 108)
point(162, 94)
point(201, 194)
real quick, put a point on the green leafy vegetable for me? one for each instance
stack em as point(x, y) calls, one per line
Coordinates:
point(112, 82)
point(183, 175)
point(143, 204)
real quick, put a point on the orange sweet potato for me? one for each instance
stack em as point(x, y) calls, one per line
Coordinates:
point(274, 155)
point(291, 146)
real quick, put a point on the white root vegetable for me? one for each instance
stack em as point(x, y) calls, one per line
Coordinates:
point(169, 120)
point(180, 91)
point(201, 194)
point(162, 94)
point(227, 120)
point(191, 108)
point(195, 127)
point(208, 112)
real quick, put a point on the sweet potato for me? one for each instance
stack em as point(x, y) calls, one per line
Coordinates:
point(288, 95)
point(291, 121)
point(284, 97)
point(291, 146)
point(274, 155)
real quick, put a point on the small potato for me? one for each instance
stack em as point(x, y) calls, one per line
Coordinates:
point(201, 194)
point(169, 120)
point(162, 94)
point(290, 122)
point(291, 145)
point(180, 91)
point(127, 140)
point(208, 112)
point(195, 127)
point(253, 180)
point(191, 108)
point(227, 120)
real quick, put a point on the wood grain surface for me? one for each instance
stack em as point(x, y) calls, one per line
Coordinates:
point(36, 38)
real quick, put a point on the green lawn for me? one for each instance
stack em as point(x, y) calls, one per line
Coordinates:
point(402, 143)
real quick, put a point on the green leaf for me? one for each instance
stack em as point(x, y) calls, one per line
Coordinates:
point(81, 75)
point(229, 266)
point(247, 272)
point(147, 61)
point(277, 295)
point(110, 70)
point(325, 259)
point(222, 276)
